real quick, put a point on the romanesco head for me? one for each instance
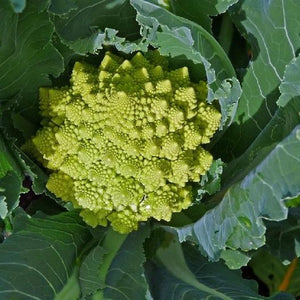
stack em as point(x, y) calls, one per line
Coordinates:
point(124, 140)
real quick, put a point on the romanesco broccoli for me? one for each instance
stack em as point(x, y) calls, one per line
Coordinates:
point(124, 139)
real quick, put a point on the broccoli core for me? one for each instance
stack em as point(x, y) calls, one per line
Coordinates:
point(123, 141)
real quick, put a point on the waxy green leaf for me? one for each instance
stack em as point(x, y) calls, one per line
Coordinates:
point(236, 222)
point(38, 258)
point(273, 30)
point(114, 268)
point(181, 272)
point(27, 55)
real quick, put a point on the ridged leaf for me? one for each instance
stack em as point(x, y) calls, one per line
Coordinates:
point(290, 86)
point(11, 178)
point(236, 222)
point(283, 238)
point(273, 30)
point(87, 27)
point(38, 258)
point(114, 268)
point(181, 273)
point(27, 55)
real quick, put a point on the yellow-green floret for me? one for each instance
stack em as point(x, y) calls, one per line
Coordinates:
point(124, 140)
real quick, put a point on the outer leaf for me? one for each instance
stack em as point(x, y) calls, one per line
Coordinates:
point(3, 207)
point(222, 5)
point(283, 238)
point(183, 273)
point(290, 86)
point(14, 161)
point(107, 38)
point(10, 178)
point(71, 290)
point(199, 11)
point(179, 37)
point(89, 272)
point(37, 259)
point(236, 222)
point(62, 7)
point(27, 55)
point(234, 259)
point(82, 26)
point(272, 28)
point(278, 128)
point(114, 268)
point(210, 182)
point(283, 122)
point(125, 278)
point(10, 185)
point(37, 175)
point(7, 159)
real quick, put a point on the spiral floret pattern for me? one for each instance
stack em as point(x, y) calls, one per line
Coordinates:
point(123, 141)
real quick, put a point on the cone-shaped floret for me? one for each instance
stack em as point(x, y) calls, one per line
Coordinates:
point(53, 103)
point(95, 217)
point(91, 195)
point(71, 165)
point(45, 141)
point(84, 78)
point(62, 185)
point(125, 220)
point(154, 173)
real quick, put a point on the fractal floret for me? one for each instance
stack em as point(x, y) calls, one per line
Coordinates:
point(123, 141)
